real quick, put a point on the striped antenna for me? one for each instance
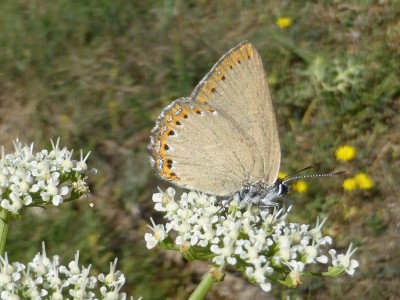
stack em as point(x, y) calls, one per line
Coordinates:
point(310, 175)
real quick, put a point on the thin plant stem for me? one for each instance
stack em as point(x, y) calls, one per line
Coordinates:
point(203, 288)
point(4, 224)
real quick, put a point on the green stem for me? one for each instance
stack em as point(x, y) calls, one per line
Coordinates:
point(4, 224)
point(203, 288)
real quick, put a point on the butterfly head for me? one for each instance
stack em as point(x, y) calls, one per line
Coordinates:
point(263, 194)
point(281, 188)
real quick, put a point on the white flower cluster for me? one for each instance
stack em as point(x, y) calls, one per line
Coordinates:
point(259, 243)
point(28, 179)
point(46, 278)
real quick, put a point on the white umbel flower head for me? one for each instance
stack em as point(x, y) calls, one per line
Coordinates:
point(29, 179)
point(258, 242)
point(47, 278)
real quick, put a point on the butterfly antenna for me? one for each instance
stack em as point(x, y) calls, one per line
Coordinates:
point(297, 172)
point(313, 175)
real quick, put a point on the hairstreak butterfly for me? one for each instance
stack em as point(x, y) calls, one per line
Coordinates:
point(223, 139)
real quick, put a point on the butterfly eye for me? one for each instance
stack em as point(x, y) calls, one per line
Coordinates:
point(282, 189)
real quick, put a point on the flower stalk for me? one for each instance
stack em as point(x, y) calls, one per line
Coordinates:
point(4, 225)
point(203, 288)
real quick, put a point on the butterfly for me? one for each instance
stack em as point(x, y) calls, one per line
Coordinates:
point(223, 139)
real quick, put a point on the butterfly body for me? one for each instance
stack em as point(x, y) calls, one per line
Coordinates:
point(262, 194)
point(223, 139)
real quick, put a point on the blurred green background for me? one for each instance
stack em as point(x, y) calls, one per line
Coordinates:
point(97, 74)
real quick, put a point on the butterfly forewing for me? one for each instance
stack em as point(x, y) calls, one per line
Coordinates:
point(237, 86)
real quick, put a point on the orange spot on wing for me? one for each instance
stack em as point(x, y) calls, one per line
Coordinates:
point(209, 86)
point(247, 51)
point(166, 169)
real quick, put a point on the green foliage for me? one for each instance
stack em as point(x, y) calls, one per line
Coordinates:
point(375, 224)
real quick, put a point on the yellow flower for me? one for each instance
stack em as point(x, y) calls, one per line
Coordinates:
point(345, 153)
point(349, 184)
point(300, 186)
point(282, 175)
point(284, 22)
point(364, 182)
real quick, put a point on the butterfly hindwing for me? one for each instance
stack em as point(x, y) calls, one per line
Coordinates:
point(198, 148)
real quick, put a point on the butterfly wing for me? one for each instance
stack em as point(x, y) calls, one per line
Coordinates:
point(237, 86)
point(224, 136)
point(199, 148)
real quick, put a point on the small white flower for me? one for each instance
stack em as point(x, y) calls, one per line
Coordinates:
point(316, 233)
point(16, 201)
point(67, 164)
point(284, 241)
point(160, 232)
point(56, 295)
point(114, 278)
point(259, 273)
point(81, 165)
point(225, 253)
point(312, 255)
point(74, 265)
point(165, 201)
point(345, 260)
point(23, 186)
